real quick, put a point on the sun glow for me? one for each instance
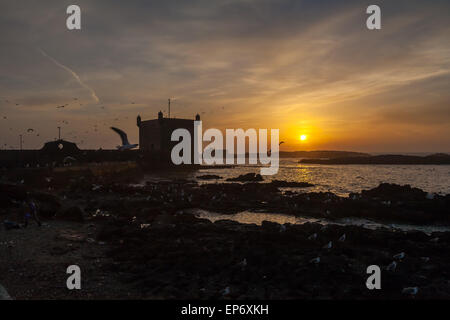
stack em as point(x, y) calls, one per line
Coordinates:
point(303, 137)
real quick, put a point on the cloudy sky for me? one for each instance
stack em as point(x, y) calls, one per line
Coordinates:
point(304, 67)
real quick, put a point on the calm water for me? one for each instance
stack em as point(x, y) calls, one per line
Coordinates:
point(248, 217)
point(339, 179)
point(343, 179)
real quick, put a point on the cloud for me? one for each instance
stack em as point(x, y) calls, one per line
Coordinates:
point(271, 63)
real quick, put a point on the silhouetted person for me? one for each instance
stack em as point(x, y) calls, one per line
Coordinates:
point(30, 211)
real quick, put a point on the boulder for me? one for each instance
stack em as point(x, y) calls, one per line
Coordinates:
point(75, 214)
point(247, 177)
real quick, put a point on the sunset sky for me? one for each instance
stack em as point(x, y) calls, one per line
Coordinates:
point(305, 67)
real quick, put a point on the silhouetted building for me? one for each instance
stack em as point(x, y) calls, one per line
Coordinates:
point(59, 148)
point(155, 135)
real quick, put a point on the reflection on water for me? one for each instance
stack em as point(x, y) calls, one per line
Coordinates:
point(343, 179)
point(257, 218)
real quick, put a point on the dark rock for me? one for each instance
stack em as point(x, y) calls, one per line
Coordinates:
point(290, 184)
point(394, 192)
point(75, 214)
point(255, 177)
point(209, 177)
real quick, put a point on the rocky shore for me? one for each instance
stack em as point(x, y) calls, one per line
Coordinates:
point(139, 241)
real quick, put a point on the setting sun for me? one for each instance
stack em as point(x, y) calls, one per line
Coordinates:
point(303, 137)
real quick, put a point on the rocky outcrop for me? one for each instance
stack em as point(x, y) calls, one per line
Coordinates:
point(209, 177)
point(253, 177)
point(192, 258)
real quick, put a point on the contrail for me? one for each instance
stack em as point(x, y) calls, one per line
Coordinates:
point(73, 73)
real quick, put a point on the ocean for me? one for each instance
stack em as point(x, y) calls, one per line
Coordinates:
point(340, 179)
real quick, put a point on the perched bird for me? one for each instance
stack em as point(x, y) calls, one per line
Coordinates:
point(429, 196)
point(328, 245)
point(4, 294)
point(226, 291)
point(243, 263)
point(392, 266)
point(313, 236)
point(410, 290)
point(123, 136)
point(399, 256)
point(342, 238)
point(69, 159)
point(315, 260)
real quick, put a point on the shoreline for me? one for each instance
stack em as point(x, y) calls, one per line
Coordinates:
point(141, 242)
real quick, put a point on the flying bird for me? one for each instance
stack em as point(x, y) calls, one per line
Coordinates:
point(315, 260)
point(123, 136)
point(392, 266)
point(399, 256)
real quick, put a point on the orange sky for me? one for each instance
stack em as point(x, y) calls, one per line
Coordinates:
point(304, 67)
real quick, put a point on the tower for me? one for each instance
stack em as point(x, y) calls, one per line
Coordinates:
point(138, 121)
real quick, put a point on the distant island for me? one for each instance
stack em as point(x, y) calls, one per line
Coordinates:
point(438, 158)
point(322, 154)
point(317, 154)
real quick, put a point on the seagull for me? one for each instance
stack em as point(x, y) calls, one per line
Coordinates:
point(342, 238)
point(125, 144)
point(226, 291)
point(429, 196)
point(410, 290)
point(315, 260)
point(313, 236)
point(243, 263)
point(69, 159)
point(392, 266)
point(399, 256)
point(328, 245)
